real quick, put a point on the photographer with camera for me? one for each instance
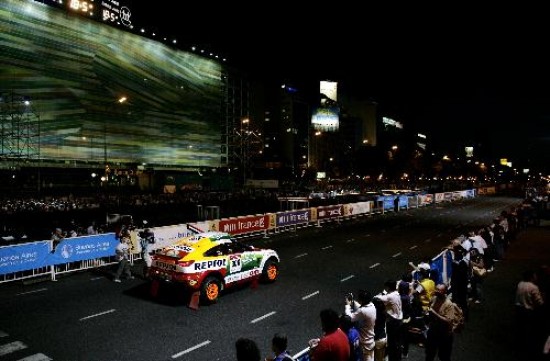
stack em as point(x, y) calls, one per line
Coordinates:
point(363, 313)
point(394, 318)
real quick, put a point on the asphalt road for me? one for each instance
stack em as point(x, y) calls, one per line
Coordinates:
point(86, 316)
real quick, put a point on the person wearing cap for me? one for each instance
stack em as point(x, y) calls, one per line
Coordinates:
point(425, 287)
point(439, 340)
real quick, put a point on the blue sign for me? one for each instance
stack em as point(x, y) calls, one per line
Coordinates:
point(24, 257)
point(83, 248)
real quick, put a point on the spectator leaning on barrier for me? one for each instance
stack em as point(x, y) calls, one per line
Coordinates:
point(363, 313)
point(354, 338)
point(460, 277)
point(247, 350)
point(406, 305)
point(333, 345)
point(380, 336)
point(394, 319)
point(279, 344)
point(439, 340)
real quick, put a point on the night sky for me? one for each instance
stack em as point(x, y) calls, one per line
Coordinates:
point(461, 75)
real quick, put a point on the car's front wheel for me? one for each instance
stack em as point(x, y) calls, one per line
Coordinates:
point(210, 290)
point(270, 271)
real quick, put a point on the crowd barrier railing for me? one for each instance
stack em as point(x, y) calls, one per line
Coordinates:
point(39, 259)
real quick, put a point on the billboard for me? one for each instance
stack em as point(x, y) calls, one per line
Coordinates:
point(326, 119)
point(329, 89)
point(75, 69)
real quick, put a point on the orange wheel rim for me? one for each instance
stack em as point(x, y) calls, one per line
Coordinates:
point(272, 272)
point(212, 291)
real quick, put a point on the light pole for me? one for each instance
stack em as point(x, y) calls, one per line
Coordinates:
point(244, 146)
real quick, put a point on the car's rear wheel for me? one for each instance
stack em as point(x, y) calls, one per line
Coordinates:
point(210, 290)
point(270, 271)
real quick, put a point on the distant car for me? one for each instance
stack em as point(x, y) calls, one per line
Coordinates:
point(211, 262)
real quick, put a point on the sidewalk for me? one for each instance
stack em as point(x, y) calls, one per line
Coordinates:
point(489, 334)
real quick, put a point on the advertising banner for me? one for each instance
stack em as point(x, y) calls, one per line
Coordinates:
point(448, 196)
point(83, 248)
point(166, 236)
point(439, 197)
point(353, 209)
point(293, 217)
point(330, 211)
point(23, 257)
point(245, 224)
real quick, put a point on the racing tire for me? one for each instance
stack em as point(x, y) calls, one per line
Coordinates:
point(210, 290)
point(270, 271)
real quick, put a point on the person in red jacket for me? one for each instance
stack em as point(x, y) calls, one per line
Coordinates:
point(333, 345)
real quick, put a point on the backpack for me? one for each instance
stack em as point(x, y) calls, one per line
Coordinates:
point(457, 317)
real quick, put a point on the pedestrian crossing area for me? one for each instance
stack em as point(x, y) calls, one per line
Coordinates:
point(18, 351)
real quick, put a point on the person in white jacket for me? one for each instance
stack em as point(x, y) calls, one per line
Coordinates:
point(363, 313)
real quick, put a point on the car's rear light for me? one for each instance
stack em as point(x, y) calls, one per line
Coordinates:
point(185, 263)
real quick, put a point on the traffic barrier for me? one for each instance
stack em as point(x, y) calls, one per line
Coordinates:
point(35, 259)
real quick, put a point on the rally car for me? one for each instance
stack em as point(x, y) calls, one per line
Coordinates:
point(210, 262)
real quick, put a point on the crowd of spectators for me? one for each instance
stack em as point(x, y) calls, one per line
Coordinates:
point(420, 309)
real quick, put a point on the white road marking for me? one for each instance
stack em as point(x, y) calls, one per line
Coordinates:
point(347, 278)
point(191, 349)
point(96, 278)
point(428, 240)
point(350, 240)
point(413, 247)
point(36, 357)
point(396, 255)
point(97, 314)
point(327, 247)
point(374, 265)
point(439, 234)
point(12, 347)
point(264, 316)
point(35, 291)
point(367, 235)
point(301, 255)
point(310, 295)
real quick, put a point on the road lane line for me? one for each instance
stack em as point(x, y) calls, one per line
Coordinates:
point(413, 247)
point(396, 255)
point(367, 235)
point(35, 291)
point(347, 278)
point(12, 347)
point(264, 316)
point(36, 357)
point(327, 247)
point(310, 295)
point(350, 240)
point(97, 314)
point(202, 344)
point(428, 240)
point(96, 278)
point(374, 265)
point(301, 255)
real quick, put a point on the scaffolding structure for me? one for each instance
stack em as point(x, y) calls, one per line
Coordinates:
point(19, 131)
point(235, 108)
